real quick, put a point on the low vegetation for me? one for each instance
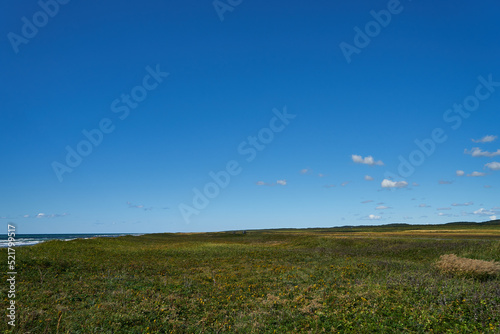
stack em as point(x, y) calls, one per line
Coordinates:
point(283, 281)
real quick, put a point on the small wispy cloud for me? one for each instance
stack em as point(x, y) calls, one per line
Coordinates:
point(310, 171)
point(281, 182)
point(485, 139)
point(329, 185)
point(382, 207)
point(343, 184)
point(393, 184)
point(367, 201)
point(445, 182)
point(487, 186)
point(135, 206)
point(493, 165)
point(484, 212)
point(440, 209)
point(368, 178)
point(463, 204)
point(415, 184)
point(423, 205)
point(477, 152)
point(366, 160)
point(476, 174)
point(52, 215)
point(460, 173)
point(373, 217)
point(140, 206)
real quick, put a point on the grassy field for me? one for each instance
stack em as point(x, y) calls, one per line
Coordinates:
point(354, 280)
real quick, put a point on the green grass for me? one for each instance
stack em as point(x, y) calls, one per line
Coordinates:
point(283, 281)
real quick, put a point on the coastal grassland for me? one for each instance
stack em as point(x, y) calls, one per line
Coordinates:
point(285, 281)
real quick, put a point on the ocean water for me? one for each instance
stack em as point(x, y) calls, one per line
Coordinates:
point(33, 239)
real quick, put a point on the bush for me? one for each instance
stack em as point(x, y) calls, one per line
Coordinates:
point(450, 263)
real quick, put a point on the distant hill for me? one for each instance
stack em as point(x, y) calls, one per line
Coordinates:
point(489, 222)
point(411, 226)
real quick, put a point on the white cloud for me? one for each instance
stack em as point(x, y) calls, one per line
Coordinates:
point(373, 217)
point(493, 165)
point(476, 174)
point(321, 175)
point(305, 171)
point(493, 217)
point(368, 178)
point(463, 204)
point(460, 173)
point(484, 212)
point(343, 184)
point(279, 182)
point(393, 184)
point(366, 161)
point(477, 152)
point(485, 139)
point(444, 214)
point(382, 207)
point(367, 201)
point(52, 215)
point(487, 186)
point(130, 205)
point(415, 184)
point(424, 206)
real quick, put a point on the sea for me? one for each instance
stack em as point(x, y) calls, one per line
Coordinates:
point(33, 239)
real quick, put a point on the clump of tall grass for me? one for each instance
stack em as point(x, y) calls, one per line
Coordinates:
point(450, 263)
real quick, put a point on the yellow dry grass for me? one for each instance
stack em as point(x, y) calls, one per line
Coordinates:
point(451, 263)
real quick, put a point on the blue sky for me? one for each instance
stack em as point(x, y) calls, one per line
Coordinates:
point(185, 116)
